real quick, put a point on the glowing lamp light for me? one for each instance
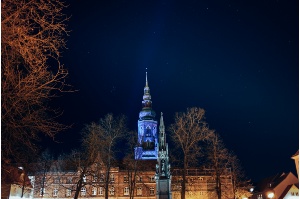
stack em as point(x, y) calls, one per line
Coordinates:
point(270, 195)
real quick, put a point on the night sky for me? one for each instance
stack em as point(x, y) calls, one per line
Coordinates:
point(238, 60)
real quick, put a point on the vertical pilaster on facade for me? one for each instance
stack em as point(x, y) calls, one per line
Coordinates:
point(163, 175)
point(147, 129)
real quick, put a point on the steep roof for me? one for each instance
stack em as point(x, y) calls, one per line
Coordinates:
point(270, 182)
point(296, 154)
point(287, 190)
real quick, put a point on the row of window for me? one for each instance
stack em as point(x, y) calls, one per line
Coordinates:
point(95, 191)
point(95, 179)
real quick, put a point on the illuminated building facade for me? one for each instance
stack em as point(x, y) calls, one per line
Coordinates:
point(200, 185)
point(63, 184)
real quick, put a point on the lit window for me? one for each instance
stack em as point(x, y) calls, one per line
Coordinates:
point(139, 178)
point(112, 177)
point(56, 180)
point(151, 191)
point(126, 191)
point(101, 178)
point(152, 179)
point(139, 191)
point(55, 192)
point(259, 196)
point(95, 178)
point(42, 191)
point(112, 191)
point(94, 191)
point(125, 178)
point(84, 178)
point(83, 191)
point(68, 192)
point(100, 192)
point(69, 180)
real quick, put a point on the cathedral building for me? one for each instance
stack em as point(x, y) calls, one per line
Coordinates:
point(153, 178)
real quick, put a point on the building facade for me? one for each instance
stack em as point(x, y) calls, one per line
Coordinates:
point(200, 185)
point(276, 187)
point(63, 185)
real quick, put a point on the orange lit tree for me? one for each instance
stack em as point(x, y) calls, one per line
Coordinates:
point(33, 34)
point(187, 132)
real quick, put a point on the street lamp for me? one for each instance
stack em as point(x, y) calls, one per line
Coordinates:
point(271, 194)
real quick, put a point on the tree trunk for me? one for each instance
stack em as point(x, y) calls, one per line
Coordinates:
point(78, 189)
point(183, 187)
point(79, 184)
point(107, 182)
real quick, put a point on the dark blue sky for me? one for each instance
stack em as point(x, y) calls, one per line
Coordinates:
point(236, 59)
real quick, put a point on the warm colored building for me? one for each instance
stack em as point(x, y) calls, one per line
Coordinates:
point(15, 183)
point(275, 186)
point(200, 185)
point(290, 192)
point(295, 157)
point(63, 185)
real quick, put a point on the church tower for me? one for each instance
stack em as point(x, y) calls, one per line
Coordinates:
point(147, 129)
point(163, 176)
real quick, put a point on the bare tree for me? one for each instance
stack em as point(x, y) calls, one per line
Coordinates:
point(42, 170)
point(240, 184)
point(133, 166)
point(90, 166)
point(188, 130)
point(32, 35)
point(225, 164)
point(99, 142)
point(88, 156)
point(130, 163)
point(218, 161)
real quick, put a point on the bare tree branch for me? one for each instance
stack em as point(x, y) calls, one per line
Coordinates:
point(188, 130)
point(33, 34)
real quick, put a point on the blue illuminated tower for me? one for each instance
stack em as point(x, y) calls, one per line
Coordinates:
point(147, 129)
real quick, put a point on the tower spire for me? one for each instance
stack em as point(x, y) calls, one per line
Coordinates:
point(162, 134)
point(147, 112)
point(147, 96)
point(147, 148)
point(146, 79)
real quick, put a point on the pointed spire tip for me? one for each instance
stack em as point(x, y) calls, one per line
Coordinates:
point(146, 79)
